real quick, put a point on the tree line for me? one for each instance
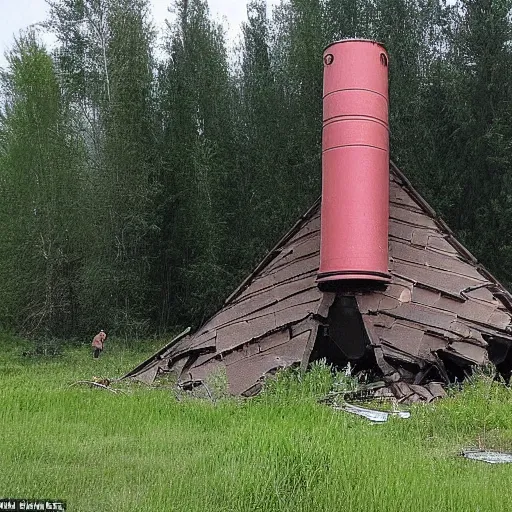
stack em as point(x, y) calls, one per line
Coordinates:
point(140, 183)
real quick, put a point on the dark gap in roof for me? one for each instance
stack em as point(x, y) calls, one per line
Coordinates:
point(344, 338)
point(500, 354)
point(457, 368)
point(324, 348)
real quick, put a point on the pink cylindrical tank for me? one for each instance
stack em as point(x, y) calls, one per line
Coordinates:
point(355, 163)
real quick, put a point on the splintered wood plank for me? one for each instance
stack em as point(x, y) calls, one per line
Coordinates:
point(472, 310)
point(482, 293)
point(247, 372)
point(436, 279)
point(307, 300)
point(380, 320)
point(402, 390)
point(500, 319)
point(431, 344)
point(199, 373)
point(265, 302)
point(397, 355)
point(431, 259)
point(267, 284)
point(273, 340)
point(310, 344)
point(446, 325)
point(425, 318)
point(401, 294)
point(436, 389)
point(423, 392)
point(241, 332)
point(402, 337)
point(468, 352)
point(240, 352)
point(424, 315)
point(301, 327)
point(411, 217)
point(203, 359)
point(425, 297)
point(178, 365)
point(325, 303)
point(307, 266)
point(377, 302)
point(205, 341)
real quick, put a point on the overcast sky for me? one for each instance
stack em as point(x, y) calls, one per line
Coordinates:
point(19, 14)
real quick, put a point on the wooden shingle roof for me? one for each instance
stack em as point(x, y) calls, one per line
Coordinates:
point(440, 305)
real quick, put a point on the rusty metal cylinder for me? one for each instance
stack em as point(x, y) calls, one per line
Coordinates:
point(355, 163)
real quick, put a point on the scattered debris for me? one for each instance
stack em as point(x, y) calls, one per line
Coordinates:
point(373, 391)
point(488, 456)
point(101, 380)
point(441, 315)
point(98, 383)
point(364, 392)
point(373, 415)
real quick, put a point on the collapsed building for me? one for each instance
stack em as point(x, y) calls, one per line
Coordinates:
point(368, 275)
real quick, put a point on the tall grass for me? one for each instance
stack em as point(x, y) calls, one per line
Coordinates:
point(146, 451)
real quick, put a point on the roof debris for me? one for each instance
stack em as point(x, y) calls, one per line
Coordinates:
point(374, 415)
point(488, 456)
point(441, 315)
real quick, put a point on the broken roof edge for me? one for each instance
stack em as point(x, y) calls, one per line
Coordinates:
point(270, 255)
point(502, 294)
point(157, 355)
point(494, 286)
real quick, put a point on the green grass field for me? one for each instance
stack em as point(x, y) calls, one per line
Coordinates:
point(147, 451)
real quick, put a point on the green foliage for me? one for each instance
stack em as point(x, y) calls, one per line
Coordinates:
point(143, 450)
point(125, 221)
point(137, 193)
point(293, 384)
point(40, 172)
point(196, 152)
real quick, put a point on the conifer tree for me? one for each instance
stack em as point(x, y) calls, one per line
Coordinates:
point(196, 152)
point(40, 176)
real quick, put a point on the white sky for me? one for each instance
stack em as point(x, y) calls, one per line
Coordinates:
point(19, 14)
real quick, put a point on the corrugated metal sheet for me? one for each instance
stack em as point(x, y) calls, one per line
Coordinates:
point(440, 306)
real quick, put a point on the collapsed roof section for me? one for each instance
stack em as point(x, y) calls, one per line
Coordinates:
point(269, 322)
point(441, 314)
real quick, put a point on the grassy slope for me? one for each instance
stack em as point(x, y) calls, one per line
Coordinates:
point(145, 451)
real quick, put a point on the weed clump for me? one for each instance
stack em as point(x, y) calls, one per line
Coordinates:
point(293, 384)
point(44, 347)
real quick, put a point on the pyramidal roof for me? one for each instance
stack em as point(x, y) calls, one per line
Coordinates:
point(442, 310)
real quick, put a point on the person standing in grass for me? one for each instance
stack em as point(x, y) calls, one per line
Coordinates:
point(97, 343)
